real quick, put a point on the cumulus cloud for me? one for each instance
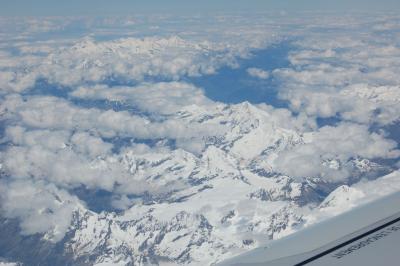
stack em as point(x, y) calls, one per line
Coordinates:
point(76, 60)
point(64, 167)
point(258, 73)
point(163, 98)
point(325, 152)
point(40, 207)
point(126, 59)
point(51, 145)
point(90, 145)
point(51, 112)
point(71, 160)
point(357, 102)
point(284, 118)
point(64, 144)
point(331, 77)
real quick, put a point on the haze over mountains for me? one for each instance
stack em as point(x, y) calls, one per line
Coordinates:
point(159, 140)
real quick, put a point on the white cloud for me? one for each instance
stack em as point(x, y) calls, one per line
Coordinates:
point(49, 139)
point(70, 160)
point(258, 73)
point(331, 73)
point(51, 145)
point(284, 118)
point(63, 167)
point(9, 264)
point(51, 112)
point(90, 145)
point(325, 152)
point(127, 59)
point(73, 60)
point(162, 98)
point(40, 207)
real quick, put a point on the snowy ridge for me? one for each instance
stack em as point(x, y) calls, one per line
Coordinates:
point(226, 203)
point(199, 207)
point(115, 151)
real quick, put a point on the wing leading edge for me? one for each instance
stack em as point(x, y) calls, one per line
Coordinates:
point(368, 235)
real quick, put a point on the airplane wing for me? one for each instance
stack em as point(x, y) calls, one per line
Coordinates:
point(368, 235)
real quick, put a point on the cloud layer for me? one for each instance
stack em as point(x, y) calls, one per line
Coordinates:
point(110, 106)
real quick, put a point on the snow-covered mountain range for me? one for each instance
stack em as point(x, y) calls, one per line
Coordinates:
point(204, 206)
point(120, 143)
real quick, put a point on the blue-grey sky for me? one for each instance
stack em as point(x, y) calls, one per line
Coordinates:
point(124, 7)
